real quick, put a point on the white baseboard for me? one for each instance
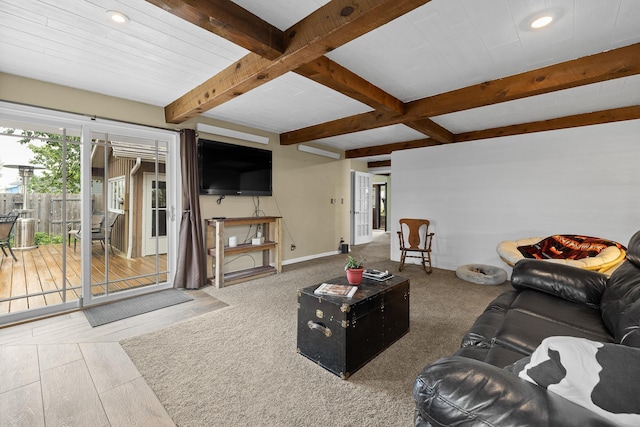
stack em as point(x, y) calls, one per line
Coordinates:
point(309, 257)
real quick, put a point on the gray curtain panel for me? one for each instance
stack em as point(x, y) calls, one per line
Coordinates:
point(191, 271)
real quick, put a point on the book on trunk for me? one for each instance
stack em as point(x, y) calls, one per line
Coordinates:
point(377, 275)
point(336, 290)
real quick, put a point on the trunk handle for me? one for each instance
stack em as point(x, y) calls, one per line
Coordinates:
point(313, 325)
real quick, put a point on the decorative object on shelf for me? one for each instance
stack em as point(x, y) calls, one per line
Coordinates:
point(354, 270)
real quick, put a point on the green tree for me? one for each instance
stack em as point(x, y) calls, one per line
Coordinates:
point(51, 156)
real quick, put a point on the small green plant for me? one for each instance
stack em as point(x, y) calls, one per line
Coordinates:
point(354, 263)
point(46, 239)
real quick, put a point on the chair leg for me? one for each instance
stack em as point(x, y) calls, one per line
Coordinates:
point(403, 254)
point(10, 251)
point(12, 254)
point(425, 260)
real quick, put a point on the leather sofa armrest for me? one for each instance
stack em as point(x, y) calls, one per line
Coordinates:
point(567, 282)
point(467, 392)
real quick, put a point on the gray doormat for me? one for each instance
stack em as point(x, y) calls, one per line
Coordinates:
point(119, 310)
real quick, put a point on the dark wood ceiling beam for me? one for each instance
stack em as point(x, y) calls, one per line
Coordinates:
point(578, 120)
point(226, 85)
point(328, 73)
point(355, 123)
point(380, 164)
point(230, 21)
point(613, 64)
point(334, 24)
point(383, 150)
point(432, 130)
point(617, 63)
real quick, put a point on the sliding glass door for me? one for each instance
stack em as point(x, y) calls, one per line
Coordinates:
point(123, 256)
point(85, 192)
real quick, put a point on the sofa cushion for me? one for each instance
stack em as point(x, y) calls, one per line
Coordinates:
point(495, 355)
point(577, 316)
point(515, 323)
point(621, 305)
point(485, 326)
point(604, 378)
point(633, 250)
point(456, 391)
point(569, 283)
point(523, 332)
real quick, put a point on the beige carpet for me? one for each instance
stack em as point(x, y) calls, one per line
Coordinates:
point(239, 366)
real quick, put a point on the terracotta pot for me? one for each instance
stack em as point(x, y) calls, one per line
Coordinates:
point(354, 275)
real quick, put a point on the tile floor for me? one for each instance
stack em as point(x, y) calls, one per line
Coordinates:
point(60, 371)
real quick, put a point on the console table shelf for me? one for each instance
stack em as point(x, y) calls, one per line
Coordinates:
point(243, 248)
point(216, 248)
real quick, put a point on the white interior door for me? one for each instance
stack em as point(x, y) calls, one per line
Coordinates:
point(362, 209)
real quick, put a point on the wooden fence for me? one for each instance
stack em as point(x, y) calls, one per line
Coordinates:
point(47, 209)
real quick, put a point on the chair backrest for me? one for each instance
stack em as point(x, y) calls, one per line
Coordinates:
point(111, 219)
point(417, 231)
point(7, 222)
point(96, 221)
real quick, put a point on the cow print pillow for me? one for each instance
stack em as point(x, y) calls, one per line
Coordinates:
point(604, 378)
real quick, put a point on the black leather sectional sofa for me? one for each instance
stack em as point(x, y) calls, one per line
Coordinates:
point(586, 327)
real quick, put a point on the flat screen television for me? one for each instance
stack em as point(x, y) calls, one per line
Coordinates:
point(228, 169)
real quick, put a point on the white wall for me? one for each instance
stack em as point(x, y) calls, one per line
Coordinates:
point(574, 181)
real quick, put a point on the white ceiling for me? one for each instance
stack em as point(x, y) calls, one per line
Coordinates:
point(441, 46)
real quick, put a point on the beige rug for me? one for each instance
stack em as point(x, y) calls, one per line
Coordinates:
point(239, 366)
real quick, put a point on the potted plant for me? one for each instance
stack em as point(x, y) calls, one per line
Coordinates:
point(354, 270)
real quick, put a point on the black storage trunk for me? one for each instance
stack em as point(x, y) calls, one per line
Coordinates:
point(343, 334)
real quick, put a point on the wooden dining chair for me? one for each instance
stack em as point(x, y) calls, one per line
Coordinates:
point(415, 241)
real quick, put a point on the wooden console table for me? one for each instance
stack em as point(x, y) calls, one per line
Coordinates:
point(216, 248)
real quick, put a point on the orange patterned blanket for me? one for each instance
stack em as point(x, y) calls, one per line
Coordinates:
point(567, 246)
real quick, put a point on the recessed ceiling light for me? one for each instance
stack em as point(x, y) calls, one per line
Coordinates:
point(542, 21)
point(117, 17)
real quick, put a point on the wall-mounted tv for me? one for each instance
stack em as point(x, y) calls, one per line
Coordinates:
point(228, 169)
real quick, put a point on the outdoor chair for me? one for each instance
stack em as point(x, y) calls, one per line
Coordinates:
point(414, 237)
point(102, 233)
point(7, 221)
point(96, 224)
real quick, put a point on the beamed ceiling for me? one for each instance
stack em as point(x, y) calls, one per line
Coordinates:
point(365, 77)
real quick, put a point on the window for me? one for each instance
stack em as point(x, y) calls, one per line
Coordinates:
point(116, 194)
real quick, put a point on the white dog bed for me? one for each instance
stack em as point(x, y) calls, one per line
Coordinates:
point(482, 274)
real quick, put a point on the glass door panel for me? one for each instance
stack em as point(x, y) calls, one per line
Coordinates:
point(73, 189)
point(124, 255)
point(39, 203)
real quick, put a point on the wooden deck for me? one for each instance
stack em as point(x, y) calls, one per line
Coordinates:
point(40, 270)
